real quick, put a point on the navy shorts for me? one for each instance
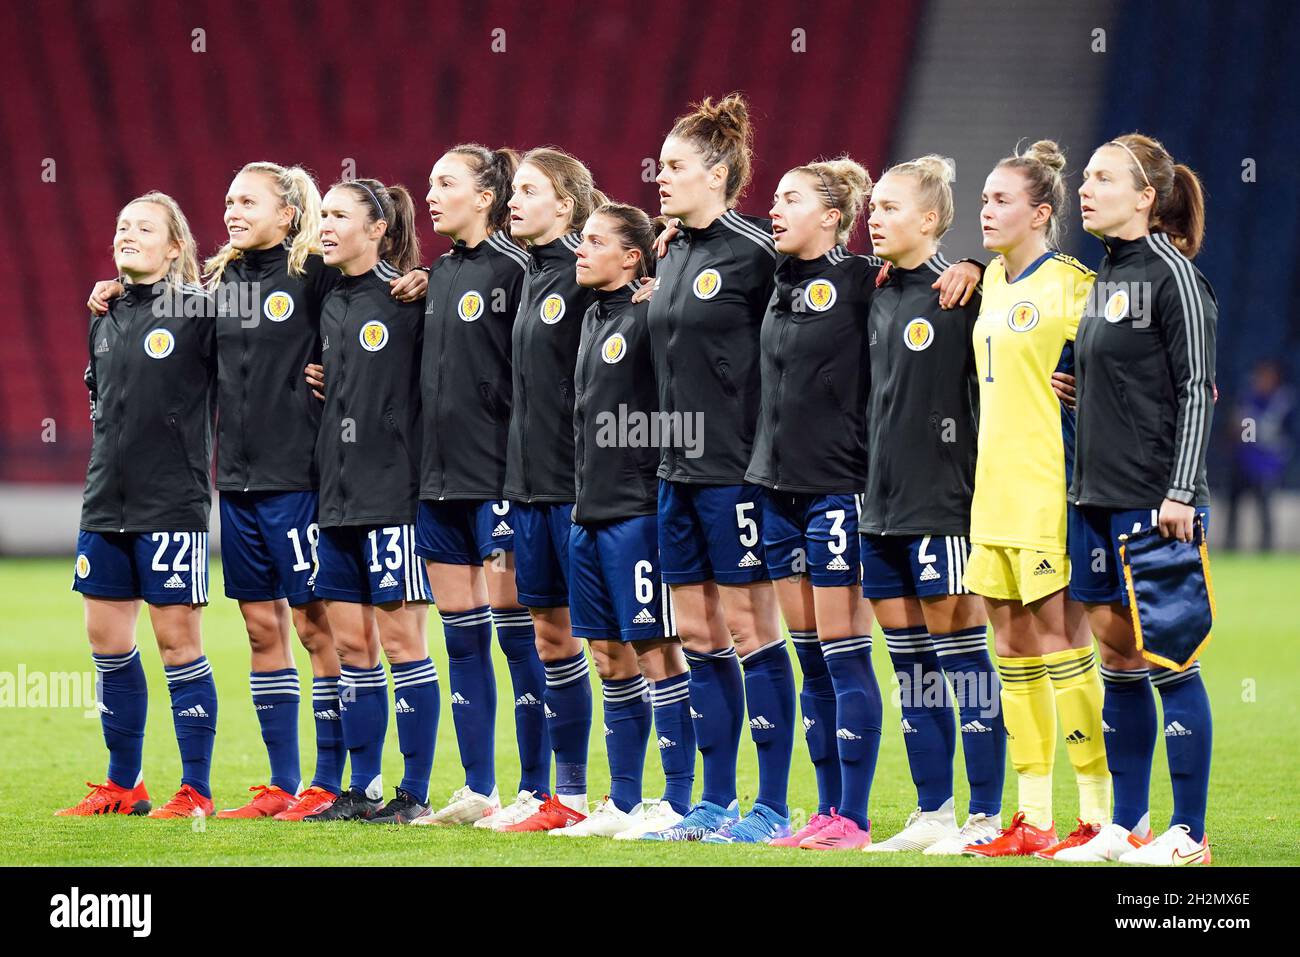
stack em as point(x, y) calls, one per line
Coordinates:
point(1096, 576)
point(370, 565)
point(542, 553)
point(268, 545)
point(463, 532)
point(617, 594)
point(711, 532)
point(163, 568)
point(814, 535)
point(913, 566)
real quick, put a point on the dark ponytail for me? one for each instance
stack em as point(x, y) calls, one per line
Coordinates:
point(634, 230)
point(493, 170)
point(1179, 210)
point(400, 245)
point(722, 133)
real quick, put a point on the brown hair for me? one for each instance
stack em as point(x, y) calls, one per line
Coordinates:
point(493, 170)
point(933, 175)
point(295, 188)
point(844, 185)
point(185, 267)
point(1042, 167)
point(570, 179)
point(1179, 209)
point(400, 245)
point(634, 229)
point(722, 134)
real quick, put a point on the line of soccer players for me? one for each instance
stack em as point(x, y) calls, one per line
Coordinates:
point(845, 436)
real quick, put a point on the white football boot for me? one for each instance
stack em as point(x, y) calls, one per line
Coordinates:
point(605, 820)
point(465, 807)
point(523, 807)
point(653, 816)
point(923, 829)
point(1112, 842)
point(1173, 848)
point(978, 829)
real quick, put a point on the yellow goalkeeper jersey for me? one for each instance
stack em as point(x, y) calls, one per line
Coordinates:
point(1024, 333)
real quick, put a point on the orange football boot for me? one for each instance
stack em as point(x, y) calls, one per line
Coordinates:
point(186, 802)
point(311, 801)
point(1080, 835)
point(548, 817)
point(269, 802)
point(109, 798)
point(1020, 839)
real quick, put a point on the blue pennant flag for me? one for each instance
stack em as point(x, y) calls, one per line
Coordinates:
point(1170, 595)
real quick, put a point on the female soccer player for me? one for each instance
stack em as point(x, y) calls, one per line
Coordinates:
point(552, 196)
point(1033, 296)
point(271, 280)
point(921, 422)
point(1145, 361)
point(619, 604)
point(144, 514)
point(809, 452)
point(712, 288)
point(465, 531)
point(369, 456)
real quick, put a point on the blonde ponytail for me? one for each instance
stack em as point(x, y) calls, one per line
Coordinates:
point(843, 184)
point(185, 267)
point(934, 175)
point(295, 188)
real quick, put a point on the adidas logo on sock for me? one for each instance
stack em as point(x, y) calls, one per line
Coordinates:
point(1106, 729)
point(844, 734)
point(546, 709)
point(808, 723)
point(837, 564)
point(975, 727)
point(760, 723)
point(1175, 729)
point(403, 707)
point(102, 708)
point(458, 698)
point(907, 727)
point(388, 581)
point(929, 574)
point(502, 529)
point(174, 582)
point(749, 561)
point(1044, 568)
point(327, 715)
point(696, 714)
point(1077, 737)
point(666, 743)
point(607, 731)
point(526, 700)
point(643, 617)
point(194, 712)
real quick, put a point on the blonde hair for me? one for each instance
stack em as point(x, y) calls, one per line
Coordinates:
point(185, 267)
point(934, 175)
point(296, 189)
point(843, 184)
point(570, 179)
point(1179, 209)
point(722, 134)
point(1042, 167)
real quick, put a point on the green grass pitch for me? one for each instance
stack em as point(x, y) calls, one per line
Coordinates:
point(1252, 669)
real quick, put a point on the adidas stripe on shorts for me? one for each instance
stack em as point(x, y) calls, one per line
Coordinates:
point(370, 565)
point(615, 589)
point(464, 532)
point(814, 535)
point(163, 568)
point(921, 566)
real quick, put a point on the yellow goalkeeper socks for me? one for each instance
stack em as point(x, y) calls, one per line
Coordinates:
point(1029, 711)
point(1077, 683)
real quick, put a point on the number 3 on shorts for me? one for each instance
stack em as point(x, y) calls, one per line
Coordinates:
point(747, 526)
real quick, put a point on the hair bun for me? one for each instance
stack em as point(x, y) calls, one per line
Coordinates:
point(1047, 153)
